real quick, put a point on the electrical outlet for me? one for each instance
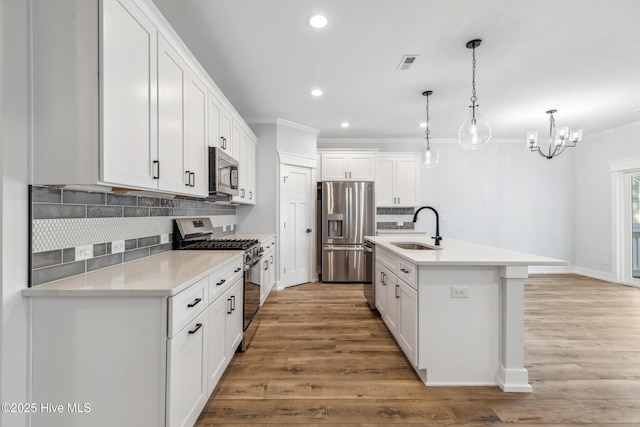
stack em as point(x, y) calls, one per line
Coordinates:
point(117, 246)
point(164, 238)
point(459, 292)
point(84, 252)
point(605, 260)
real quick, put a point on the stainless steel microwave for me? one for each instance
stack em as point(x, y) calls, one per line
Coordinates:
point(223, 173)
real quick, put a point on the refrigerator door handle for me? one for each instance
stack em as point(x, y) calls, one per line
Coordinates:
point(343, 248)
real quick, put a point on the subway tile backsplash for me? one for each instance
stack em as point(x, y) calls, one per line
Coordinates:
point(389, 218)
point(62, 220)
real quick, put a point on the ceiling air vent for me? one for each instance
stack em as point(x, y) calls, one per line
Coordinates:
point(407, 62)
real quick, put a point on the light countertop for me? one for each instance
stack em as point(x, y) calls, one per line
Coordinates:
point(161, 275)
point(456, 252)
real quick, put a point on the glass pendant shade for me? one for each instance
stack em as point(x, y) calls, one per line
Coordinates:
point(475, 132)
point(429, 157)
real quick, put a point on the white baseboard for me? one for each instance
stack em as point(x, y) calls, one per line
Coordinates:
point(550, 269)
point(596, 274)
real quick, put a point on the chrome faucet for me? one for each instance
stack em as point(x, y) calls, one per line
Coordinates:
point(437, 236)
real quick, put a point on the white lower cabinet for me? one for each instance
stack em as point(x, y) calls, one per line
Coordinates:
point(143, 361)
point(186, 379)
point(267, 269)
point(407, 332)
point(397, 302)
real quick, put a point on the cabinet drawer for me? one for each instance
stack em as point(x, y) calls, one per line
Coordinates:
point(187, 305)
point(220, 280)
point(268, 244)
point(408, 272)
point(385, 258)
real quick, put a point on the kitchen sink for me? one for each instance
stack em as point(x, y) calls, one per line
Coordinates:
point(416, 246)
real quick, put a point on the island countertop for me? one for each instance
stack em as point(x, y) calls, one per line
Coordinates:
point(161, 275)
point(456, 252)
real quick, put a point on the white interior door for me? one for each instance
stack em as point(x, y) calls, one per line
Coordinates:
point(297, 220)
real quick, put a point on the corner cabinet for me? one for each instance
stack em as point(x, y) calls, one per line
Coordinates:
point(397, 180)
point(347, 166)
point(119, 101)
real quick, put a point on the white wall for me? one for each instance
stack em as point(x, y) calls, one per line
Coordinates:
point(502, 196)
point(274, 137)
point(262, 218)
point(296, 139)
point(14, 168)
point(594, 223)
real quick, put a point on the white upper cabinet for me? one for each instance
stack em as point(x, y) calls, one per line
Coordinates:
point(172, 70)
point(343, 166)
point(120, 101)
point(397, 180)
point(196, 144)
point(246, 150)
point(128, 79)
point(219, 125)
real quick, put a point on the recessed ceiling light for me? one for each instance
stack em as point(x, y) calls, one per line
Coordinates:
point(316, 92)
point(423, 125)
point(318, 21)
point(344, 124)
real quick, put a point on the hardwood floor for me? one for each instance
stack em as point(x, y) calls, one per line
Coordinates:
point(320, 357)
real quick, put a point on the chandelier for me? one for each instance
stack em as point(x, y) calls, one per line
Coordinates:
point(475, 132)
point(559, 138)
point(429, 155)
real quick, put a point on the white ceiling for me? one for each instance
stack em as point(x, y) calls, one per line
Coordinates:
point(581, 57)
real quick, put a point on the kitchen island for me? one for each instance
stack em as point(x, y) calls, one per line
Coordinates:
point(457, 310)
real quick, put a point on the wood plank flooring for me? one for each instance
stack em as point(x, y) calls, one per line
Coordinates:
point(320, 357)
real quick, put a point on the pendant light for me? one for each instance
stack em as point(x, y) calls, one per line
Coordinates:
point(429, 155)
point(475, 132)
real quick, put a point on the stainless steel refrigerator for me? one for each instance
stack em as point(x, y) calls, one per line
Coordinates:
point(347, 214)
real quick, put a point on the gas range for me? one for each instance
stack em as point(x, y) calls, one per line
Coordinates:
point(197, 234)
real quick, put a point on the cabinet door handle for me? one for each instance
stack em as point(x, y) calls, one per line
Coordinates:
point(398, 200)
point(271, 259)
point(192, 177)
point(229, 306)
point(242, 189)
point(223, 142)
point(382, 277)
point(156, 163)
point(188, 183)
point(233, 303)
point(194, 330)
point(237, 269)
point(397, 296)
point(404, 270)
point(194, 303)
point(266, 265)
point(349, 175)
point(222, 281)
point(250, 195)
